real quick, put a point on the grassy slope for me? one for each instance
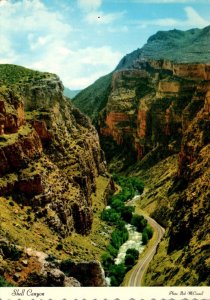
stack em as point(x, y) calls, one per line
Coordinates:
point(13, 74)
point(94, 98)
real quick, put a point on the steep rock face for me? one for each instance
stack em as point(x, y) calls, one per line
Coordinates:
point(185, 247)
point(50, 152)
point(193, 174)
point(87, 273)
point(177, 196)
point(11, 111)
point(150, 108)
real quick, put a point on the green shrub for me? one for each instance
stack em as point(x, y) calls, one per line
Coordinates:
point(117, 273)
point(59, 247)
point(149, 232)
point(112, 250)
point(3, 282)
point(50, 257)
point(114, 281)
point(110, 216)
point(133, 252)
point(120, 225)
point(107, 260)
point(127, 213)
point(129, 184)
point(144, 238)
point(139, 222)
point(117, 204)
point(118, 237)
point(129, 260)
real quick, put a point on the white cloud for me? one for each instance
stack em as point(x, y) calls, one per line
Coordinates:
point(75, 67)
point(193, 19)
point(30, 17)
point(36, 37)
point(89, 5)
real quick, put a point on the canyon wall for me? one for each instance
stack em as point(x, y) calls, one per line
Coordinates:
point(184, 211)
point(50, 156)
point(54, 152)
point(149, 108)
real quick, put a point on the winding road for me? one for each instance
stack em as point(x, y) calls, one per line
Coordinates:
point(142, 265)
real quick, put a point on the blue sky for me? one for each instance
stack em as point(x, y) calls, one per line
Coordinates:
point(81, 40)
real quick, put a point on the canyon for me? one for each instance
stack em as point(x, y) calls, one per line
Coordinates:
point(151, 117)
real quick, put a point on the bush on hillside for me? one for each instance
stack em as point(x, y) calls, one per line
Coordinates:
point(147, 234)
point(4, 283)
point(118, 237)
point(117, 273)
point(139, 222)
point(133, 252)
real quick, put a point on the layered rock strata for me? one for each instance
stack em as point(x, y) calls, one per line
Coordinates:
point(151, 106)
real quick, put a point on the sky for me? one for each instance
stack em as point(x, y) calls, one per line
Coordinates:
point(81, 40)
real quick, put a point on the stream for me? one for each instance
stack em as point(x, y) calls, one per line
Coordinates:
point(134, 241)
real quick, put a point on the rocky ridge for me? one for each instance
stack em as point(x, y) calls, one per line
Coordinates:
point(190, 46)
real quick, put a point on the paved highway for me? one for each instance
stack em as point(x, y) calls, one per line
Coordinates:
point(142, 265)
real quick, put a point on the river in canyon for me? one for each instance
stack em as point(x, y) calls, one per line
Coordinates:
point(134, 241)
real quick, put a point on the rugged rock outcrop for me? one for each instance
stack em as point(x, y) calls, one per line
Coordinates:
point(53, 148)
point(50, 159)
point(150, 108)
point(28, 267)
point(87, 273)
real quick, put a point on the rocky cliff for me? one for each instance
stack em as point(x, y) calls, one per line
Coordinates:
point(182, 205)
point(50, 157)
point(149, 108)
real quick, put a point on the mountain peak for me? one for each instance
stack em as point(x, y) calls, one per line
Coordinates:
point(191, 46)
